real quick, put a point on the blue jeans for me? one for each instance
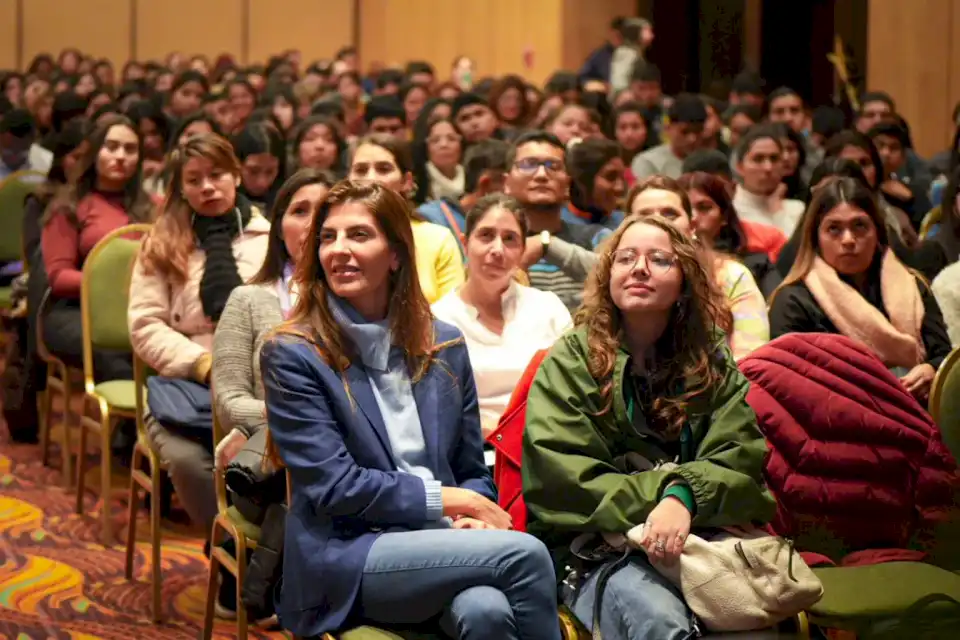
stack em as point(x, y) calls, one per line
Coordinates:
point(496, 585)
point(637, 604)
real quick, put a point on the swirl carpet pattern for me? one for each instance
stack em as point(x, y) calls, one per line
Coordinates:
point(58, 582)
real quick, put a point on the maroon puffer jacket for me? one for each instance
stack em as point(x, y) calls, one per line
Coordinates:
point(855, 462)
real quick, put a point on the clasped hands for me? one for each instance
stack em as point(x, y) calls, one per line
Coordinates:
point(470, 510)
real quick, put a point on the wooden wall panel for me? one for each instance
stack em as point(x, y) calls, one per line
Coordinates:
point(317, 29)
point(495, 33)
point(208, 27)
point(910, 56)
point(8, 35)
point(98, 27)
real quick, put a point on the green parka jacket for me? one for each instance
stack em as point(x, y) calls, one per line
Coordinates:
point(573, 476)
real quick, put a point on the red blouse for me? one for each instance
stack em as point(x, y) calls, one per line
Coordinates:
point(66, 243)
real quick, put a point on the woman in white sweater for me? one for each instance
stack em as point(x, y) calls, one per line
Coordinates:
point(504, 323)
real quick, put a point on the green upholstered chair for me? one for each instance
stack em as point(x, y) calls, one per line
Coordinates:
point(103, 307)
point(13, 191)
point(866, 599)
point(944, 403)
point(245, 534)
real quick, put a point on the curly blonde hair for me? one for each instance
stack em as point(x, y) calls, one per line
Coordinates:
point(686, 362)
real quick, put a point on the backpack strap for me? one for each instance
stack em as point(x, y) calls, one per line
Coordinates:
point(452, 222)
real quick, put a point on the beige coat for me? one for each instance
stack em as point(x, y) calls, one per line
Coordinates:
point(168, 328)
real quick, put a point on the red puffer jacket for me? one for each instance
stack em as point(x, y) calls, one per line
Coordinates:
point(855, 462)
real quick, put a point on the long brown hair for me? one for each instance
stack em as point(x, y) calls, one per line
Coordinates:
point(277, 255)
point(136, 202)
point(408, 312)
point(826, 198)
point(714, 259)
point(687, 366)
point(168, 247)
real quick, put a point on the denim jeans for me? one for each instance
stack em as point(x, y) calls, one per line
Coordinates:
point(485, 585)
point(637, 604)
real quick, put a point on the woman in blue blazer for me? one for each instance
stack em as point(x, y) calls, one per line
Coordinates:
point(372, 406)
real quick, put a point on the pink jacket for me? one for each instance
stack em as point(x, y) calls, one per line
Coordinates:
point(168, 329)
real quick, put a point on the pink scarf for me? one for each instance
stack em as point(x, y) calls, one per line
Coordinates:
point(897, 341)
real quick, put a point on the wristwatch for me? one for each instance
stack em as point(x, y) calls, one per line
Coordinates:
point(545, 240)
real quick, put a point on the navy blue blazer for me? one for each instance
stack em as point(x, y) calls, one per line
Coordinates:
point(346, 489)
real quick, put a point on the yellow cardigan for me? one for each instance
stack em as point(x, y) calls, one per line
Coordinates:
point(439, 265)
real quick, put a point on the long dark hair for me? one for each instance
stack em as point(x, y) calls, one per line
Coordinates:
point(731, 238)
point(339, 167)
point(408, 313)
point(826, 198)
point(256, 138)
point(421, 156)
point(584, 161)
point(851, 138)
point(136, 202)
point(277, 255)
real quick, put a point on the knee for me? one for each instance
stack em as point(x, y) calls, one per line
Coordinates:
point(185, 464)
point(531, 556)
point(483, 608)
point(659, 612)
point(194, 469)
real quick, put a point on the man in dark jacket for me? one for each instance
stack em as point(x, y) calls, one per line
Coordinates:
point(597, 66)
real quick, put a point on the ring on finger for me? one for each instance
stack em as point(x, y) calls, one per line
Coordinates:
point(660, 546)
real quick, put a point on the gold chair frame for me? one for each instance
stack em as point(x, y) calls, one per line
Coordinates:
point(152, 485)
point(236, 564)
point(104, 426)
point(59, 380)
point(939, 382)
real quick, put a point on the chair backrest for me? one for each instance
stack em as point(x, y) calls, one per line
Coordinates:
point(14, 190)
point(945, 402)
point(105, 292)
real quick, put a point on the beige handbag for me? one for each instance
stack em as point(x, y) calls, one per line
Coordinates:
point(738, 580)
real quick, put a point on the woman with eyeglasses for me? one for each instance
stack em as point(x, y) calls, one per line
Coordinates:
point(646, 373)
point(743, 316)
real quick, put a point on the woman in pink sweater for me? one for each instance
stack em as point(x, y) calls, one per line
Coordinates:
point(207, 241)
point(104, 195)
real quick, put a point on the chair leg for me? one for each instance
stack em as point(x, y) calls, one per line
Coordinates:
point(81, 465)
point(134, 498)
point(66, 444)
point(212, 585)
point(155, 539)
point(106, 525)
point(42, 413)
point(242, 622)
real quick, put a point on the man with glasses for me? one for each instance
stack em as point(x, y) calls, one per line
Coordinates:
point(537, 177)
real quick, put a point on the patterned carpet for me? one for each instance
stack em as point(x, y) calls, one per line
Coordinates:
point(58, 582)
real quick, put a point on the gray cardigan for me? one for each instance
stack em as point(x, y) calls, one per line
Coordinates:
point(252, 311)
